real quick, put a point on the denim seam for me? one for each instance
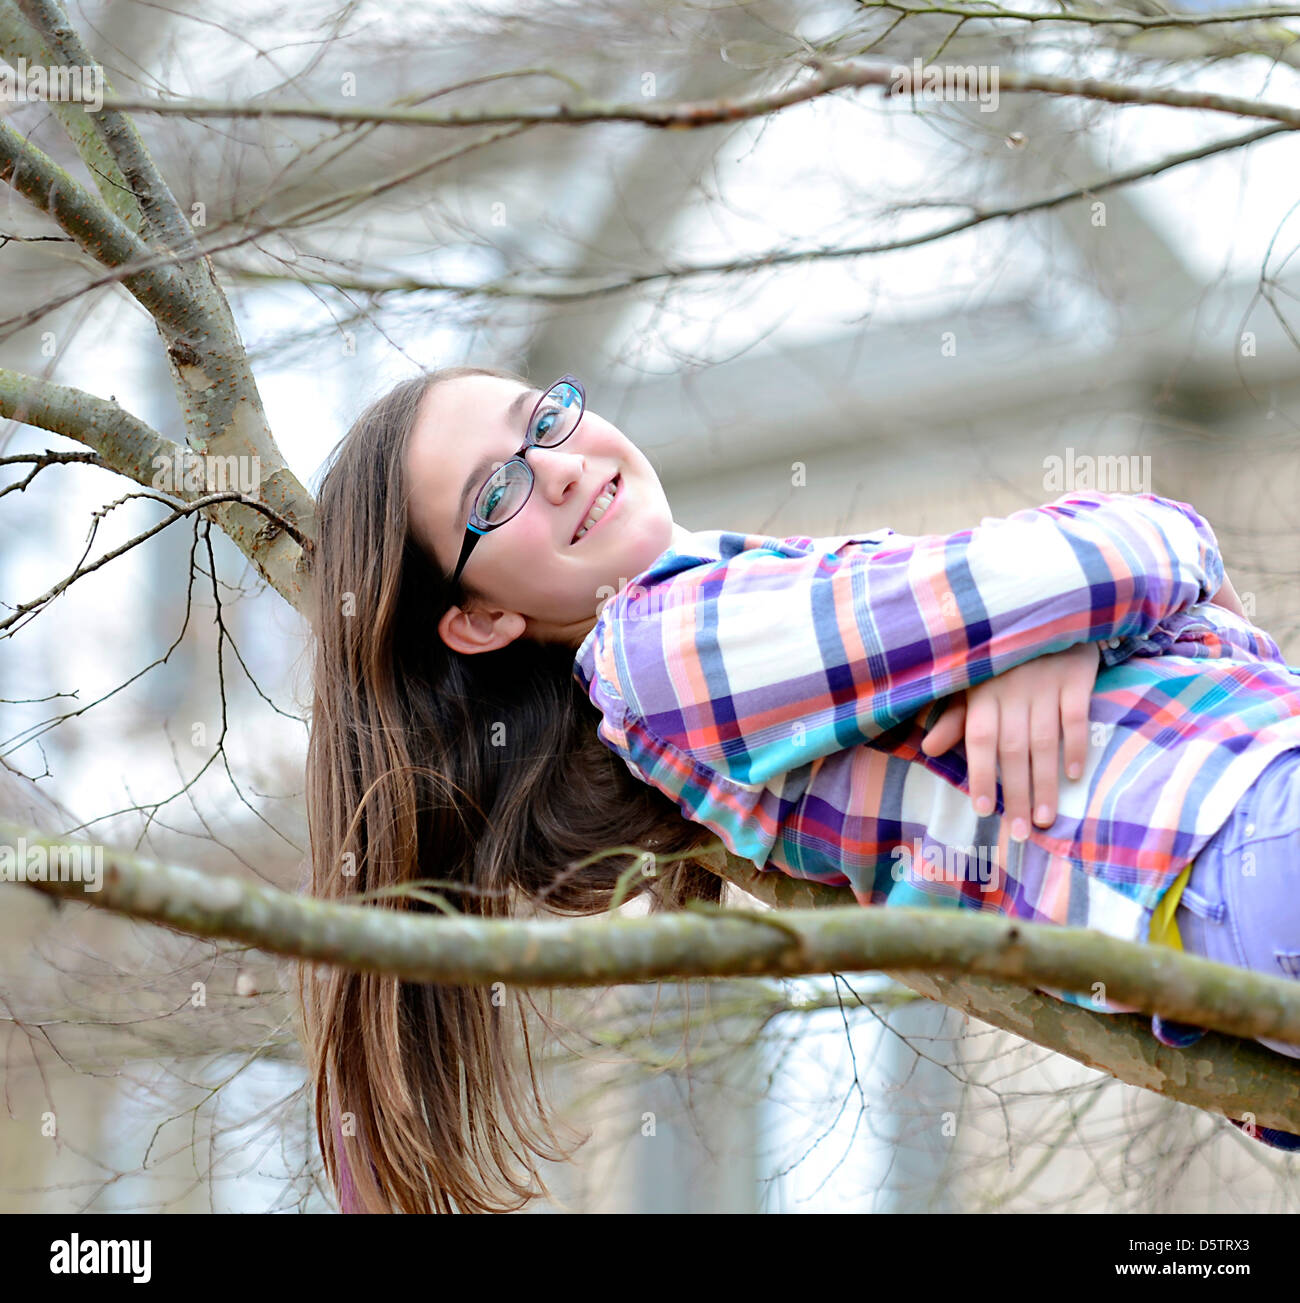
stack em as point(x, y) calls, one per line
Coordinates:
point(1232, 909)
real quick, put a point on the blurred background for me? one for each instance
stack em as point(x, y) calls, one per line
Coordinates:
point(861, 311)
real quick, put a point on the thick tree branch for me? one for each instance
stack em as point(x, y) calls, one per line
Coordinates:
point(116, 135)
point(125, 442)
point(218, 395)
point(19, 41)
point(475, 951)
point(274, 537)
point(1222, 1073)
point(97, 231)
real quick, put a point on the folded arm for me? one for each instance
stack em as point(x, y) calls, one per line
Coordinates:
point(1013, 727)
point(818, 652)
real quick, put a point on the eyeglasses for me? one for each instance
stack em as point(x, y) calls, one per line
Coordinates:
point(505, 491)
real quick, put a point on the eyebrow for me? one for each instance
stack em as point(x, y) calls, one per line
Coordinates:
point(481, 466)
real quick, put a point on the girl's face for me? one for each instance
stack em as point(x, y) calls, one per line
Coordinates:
point(528, 576)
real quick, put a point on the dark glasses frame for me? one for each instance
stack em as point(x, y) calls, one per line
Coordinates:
point(477, 526)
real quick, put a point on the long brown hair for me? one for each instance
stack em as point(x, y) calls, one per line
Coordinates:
point(427, 1097)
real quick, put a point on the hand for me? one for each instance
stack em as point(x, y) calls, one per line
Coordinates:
point(1020, 715)
point(1227, 598)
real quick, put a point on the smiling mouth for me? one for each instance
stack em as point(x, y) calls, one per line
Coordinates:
point(584, 529)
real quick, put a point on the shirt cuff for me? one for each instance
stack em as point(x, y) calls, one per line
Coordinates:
point(1115, 651)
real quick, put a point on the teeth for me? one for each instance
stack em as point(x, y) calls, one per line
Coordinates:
point(598, 508)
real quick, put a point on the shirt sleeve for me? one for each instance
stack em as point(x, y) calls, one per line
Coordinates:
point(768, 661)
point(1202, 632)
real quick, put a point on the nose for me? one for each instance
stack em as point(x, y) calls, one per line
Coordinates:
point(555, 470)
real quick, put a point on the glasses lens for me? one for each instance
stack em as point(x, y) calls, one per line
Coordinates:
point(557, 414)
point(504, 494)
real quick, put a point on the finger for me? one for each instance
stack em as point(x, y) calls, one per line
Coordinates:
point(981, 753)
point(947, 730)
point(1013, 761)
point(1044, 755)
point(1075, 726)
point(922, 715)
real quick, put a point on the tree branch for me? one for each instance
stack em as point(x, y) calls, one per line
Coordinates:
point(1108, 92)
point(125, 442)
point(18, 40)
point(1096, 18)
point(830, 76)
point(223, 410)
point(39, 461)
point(177, 513)
point(277, 539)
point(115, 134)
point(97, 231)
point(758, 262)
point(1224, 1074)
point(741, 943)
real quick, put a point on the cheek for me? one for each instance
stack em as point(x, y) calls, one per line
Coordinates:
point(536, 563)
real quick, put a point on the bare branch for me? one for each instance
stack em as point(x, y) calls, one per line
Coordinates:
point(34, 239)
point(1093, 18)
point(829, 77)
point(756, 262)
point(135, 450)
point(316, 210)
point(178, 513)
point(1108, 92)
point(39, 461)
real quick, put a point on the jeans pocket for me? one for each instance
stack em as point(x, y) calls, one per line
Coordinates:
point(1212, 911)
point(1289, 962)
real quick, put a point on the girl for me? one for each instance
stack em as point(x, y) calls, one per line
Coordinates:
point(521, 660)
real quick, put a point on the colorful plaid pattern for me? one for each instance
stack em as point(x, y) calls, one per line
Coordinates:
point(769, 687)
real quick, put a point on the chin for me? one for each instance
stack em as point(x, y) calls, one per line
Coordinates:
point(648, 545)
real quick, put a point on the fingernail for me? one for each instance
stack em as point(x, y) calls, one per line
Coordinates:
point(1019, 830)
point(1075, 770)
point(984, 805)
point(1042, 816)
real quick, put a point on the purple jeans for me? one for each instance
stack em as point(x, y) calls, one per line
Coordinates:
point(1241, 905)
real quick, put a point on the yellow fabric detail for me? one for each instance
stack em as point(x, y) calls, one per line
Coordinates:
point(1164, 931)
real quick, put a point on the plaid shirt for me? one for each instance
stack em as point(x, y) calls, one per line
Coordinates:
point(770, 687)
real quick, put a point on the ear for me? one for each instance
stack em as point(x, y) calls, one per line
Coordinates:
point(472, 632)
